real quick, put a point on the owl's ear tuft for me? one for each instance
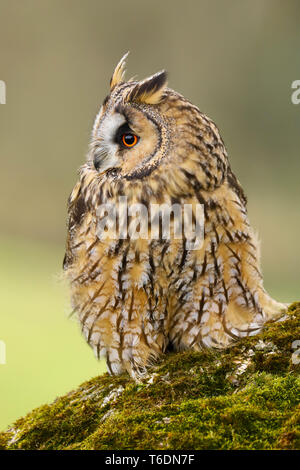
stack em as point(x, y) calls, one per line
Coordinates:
point(150, 90)
point(119, 72)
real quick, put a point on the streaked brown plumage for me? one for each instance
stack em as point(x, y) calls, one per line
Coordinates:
point(136, 297)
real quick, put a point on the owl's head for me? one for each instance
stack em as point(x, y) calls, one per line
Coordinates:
point(131, 134)
point(145, 128)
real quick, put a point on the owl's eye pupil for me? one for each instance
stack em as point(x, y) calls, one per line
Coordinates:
point(129, 139)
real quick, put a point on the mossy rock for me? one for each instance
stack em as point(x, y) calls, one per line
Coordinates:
point(245, 397)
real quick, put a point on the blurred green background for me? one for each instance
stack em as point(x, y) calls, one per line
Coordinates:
point(235, 60)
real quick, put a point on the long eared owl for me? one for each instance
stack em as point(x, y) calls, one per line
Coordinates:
point(137, 296)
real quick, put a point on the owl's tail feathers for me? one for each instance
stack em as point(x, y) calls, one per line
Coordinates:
point(273, 310)
point(250, 322)
point(239, 321)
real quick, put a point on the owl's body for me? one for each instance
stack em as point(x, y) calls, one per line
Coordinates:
point(136, 297)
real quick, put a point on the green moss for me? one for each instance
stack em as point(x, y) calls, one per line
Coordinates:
point(246, 397)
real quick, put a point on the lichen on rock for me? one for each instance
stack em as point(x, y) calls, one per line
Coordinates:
point(245, 397)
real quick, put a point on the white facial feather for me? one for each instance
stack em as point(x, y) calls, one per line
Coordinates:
point(107, 147)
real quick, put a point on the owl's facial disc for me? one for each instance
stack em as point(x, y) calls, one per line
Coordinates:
point(126, 140)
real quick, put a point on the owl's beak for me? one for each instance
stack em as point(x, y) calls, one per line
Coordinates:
point(105, 162)
point(97, 162)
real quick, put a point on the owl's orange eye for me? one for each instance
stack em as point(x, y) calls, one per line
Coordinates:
point(129, 140)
